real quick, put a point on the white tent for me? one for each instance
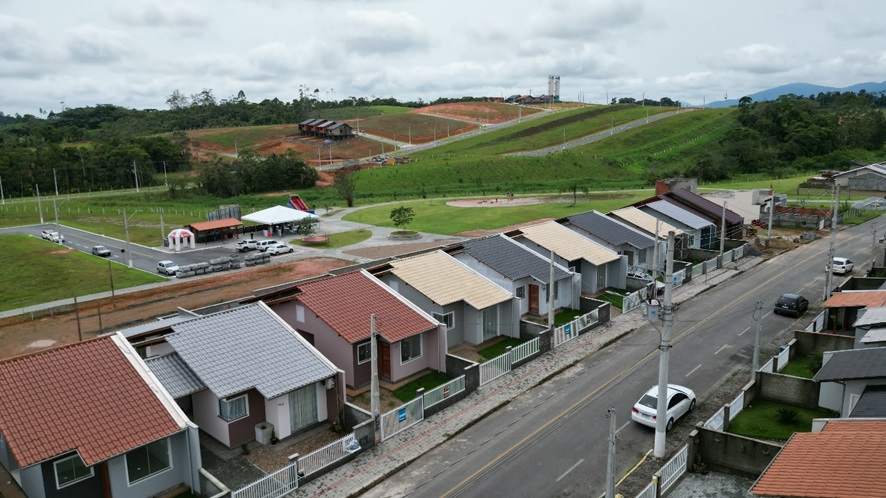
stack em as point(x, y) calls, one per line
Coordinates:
point(278, 215)
point(175, 238)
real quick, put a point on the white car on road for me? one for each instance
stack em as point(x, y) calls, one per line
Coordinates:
point(167, 267)
point(279, 249)
point(681, 400)
point(842, 266)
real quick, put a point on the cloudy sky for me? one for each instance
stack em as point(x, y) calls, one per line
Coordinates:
point(136, 53)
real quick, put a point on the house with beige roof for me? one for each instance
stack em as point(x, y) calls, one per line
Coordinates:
point(90, 419)
point(334, 314)
point(599, 266)
point(658, 229)
point(473, 308)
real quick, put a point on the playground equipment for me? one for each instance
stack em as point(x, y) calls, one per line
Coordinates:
point(295, 202)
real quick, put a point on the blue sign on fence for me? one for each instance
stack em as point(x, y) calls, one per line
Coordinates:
point(567, 329)
point(401, 414)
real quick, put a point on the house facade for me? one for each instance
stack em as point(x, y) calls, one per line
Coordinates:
point(638, 247)
point(700, 233)
point(472, 308)
point(90, 419)
point(525, 273)
point(334, 314)
point(599, 266)
point(235, 369)
point(844, 375)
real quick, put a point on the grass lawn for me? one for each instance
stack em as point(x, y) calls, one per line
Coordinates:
point(803, 366)
point(614, 299)
point(437, 217)
point(407, 391)
point(341, 239)
point(499, 348)
point(63, 273)
point(566, 316)
point(760, 420)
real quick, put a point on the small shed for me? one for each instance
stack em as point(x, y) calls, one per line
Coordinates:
point(208, 231)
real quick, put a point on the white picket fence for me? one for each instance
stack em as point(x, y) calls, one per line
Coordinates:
point(495, 368)
point(273, 485)
point(402, 417)
point(569, 331)
point(675, 468)
point(524, 350)
point(321, 458)
point(444, 391)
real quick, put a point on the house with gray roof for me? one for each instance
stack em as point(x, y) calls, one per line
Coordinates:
point(522, 271)
point(871, 404)
point(637, 246)
point(844, 376)
point(701, 233)
point(232, 370)
point(870, 177)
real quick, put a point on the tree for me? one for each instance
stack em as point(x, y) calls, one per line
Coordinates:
point(402, 216)
point(307, 226)
point(344, 185)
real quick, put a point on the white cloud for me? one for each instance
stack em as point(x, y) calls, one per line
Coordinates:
point(381, 32)
point(19, 39)
point(160, 13)
point(90, 44)
point(759, 58)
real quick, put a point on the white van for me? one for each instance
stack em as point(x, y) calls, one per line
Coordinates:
point(263, 245)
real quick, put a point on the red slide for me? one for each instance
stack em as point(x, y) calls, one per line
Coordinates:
point(295, 202)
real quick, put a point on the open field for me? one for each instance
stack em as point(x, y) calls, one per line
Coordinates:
point(479, 112)
point(422, 128)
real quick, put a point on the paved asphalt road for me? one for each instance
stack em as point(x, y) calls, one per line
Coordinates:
point(552, 440)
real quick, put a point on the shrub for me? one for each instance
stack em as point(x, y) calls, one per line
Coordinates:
point(814, 360)
point(787, 416)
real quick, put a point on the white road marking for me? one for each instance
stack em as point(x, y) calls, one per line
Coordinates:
point(693, 370)
point(767, 314)
point(721, 349)
point(622, 426)
point(570, 469)
point(743, 331)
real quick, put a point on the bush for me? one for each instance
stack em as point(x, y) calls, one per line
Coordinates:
point(787, 416)
point(814, 360)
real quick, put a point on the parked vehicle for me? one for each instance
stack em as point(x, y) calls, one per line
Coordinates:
point(52, 236)
point(841, 266)
point(167, 267)
point(681, 400)
point(101, 251)
point(279, 249)
point(247, 245)
point(791, 304)
point(263, 245)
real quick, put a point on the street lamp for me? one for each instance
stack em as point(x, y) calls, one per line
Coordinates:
point(126, 227)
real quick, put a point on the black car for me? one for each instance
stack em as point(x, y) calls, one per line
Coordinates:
point(791, 304)
point(101, 251)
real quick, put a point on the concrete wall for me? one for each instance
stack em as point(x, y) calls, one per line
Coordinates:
point(456, 366)
point(816, 342)
point(179, 473)
point(788, 389)
point(730, 453)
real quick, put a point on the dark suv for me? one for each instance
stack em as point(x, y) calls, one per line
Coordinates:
point(791, 304)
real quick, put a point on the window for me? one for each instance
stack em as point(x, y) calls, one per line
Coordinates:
point(70, 470)
point(148, 460)
point(556, 290)
point(300, 313)
point(677, 399)
point(448, 319)
point(521, 292)
point(364, 352)
point(233, 409)
point(410, 348)
point(642, 257)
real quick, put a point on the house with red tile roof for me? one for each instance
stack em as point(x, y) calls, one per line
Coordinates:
point(841, 461)
point(238, 368)
point(90, 419)
point(333, 313)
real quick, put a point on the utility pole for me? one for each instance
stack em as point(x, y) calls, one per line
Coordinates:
point(165, 178)
point(723, 231)
point(551, 295)
point(39, 207)
point(661, 421)
point(162, 231)
point(135, 172)
point(2, 198)
point(655, 252)
point(610, 460)
point(873, 246)
point(827, 284)
point(55, 208)
point(374, 385)
point(126, 227)
point(758, 316)
point(55, 181)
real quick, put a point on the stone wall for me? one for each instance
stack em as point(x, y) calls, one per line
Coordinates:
point(788, 389)
point(815, 342)
point(730, 453)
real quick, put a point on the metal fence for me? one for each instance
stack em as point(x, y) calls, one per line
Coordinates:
point(570, 331)
point(327, 455)
point(679, 278)
point(524, 350)
point(727, 256)
point(648, 491)
point(495, 368)
point(444, 391)
point(402, 417)
point(710, 265)
point(739, 251)
point(736, 406)
point(698, 269)
point(634, 300)
point(769, 366)
point(272, 485)
point(817, 324)
point(675, 468)
point(784, 355)
point(716, 421)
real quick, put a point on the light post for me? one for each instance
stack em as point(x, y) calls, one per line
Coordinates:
point(126, 227)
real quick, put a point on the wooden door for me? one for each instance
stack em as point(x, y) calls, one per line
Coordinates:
point(533, 299)
point(384, 359)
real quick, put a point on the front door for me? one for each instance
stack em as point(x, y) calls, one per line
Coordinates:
point(302, 407)
point(533, 299)
point(490, 323)
point(384, 359)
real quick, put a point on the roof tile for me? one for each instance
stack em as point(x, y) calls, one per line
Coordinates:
point(445, 280)
point(567, 244)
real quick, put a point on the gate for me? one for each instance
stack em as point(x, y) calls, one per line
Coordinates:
point(273, 485)
point(402, 417)
point(495, 368)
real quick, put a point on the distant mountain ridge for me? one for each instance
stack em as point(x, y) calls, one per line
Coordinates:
point(802, 89)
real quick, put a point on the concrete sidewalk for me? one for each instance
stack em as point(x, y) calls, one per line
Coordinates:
point(373, 466)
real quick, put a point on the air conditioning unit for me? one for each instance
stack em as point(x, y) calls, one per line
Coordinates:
point(330, 383)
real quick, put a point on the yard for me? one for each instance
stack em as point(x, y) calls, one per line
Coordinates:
point(805, 366)
point(771, 420)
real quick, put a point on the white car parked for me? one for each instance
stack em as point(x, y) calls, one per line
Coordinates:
point(167, 267)
point(279, 249)
point(681, 400)
point(842, 266)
